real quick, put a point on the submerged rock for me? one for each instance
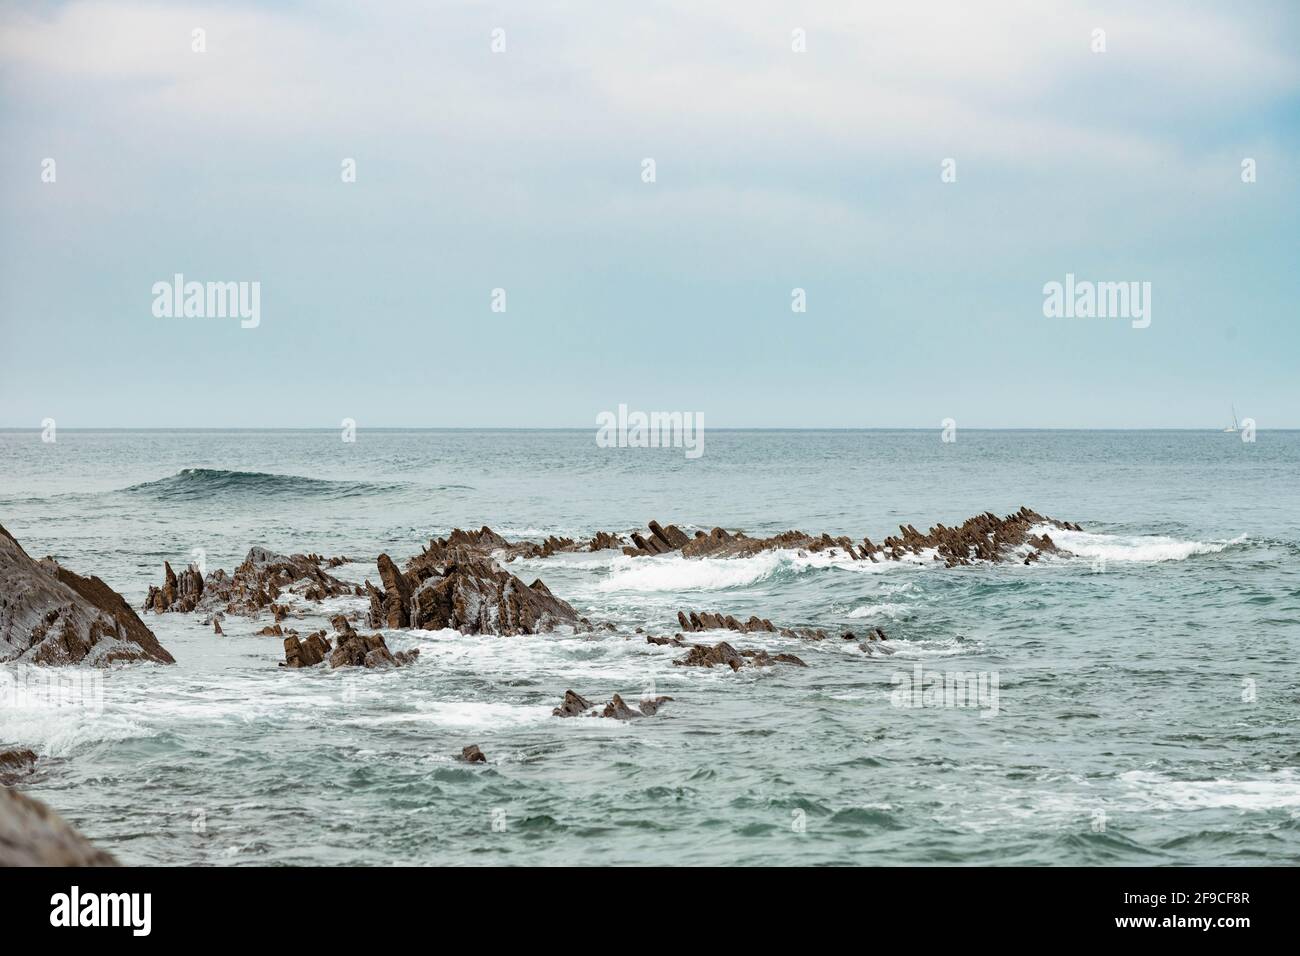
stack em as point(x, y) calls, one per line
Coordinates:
point(31, 834)
point(575, 705)
point(50, 615)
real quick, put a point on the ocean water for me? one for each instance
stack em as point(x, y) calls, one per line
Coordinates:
point(1147, 689)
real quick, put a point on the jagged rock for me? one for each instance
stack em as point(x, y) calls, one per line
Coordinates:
point(256, 584)
point(463, 589)
point(651, 707)
point(15, 764)
point(619, 710)
point(572, 706)
point(397, 594)
point(31, 834)
point(307, 653)
point(575, 705)
point(216, 626)
point(50, 615)
point(981, 538)
point(181, 593)
point(692, 621)
point(722, 653)
point(472, 754)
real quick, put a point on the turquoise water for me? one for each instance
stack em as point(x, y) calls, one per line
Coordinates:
point(1147, 689)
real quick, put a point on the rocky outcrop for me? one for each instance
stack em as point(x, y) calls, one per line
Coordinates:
point(984, 537)
point(15, 764)
point(575, 705)
point(692, 621)
point(31, 834)
point(50, 615)
point(178, 593)
point(490, 544)
point(464, 589)
point(723, 654)
point(349, 650)
point(256, 584)
point(472, 754)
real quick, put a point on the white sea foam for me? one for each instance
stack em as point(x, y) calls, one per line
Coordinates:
point(1118, 547)
point(673, 572)
point(886, 609)
point(1274, 791)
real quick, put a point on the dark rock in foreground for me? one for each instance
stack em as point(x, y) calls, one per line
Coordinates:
point(15, 764)
point(31, 834)
point(575, 705)
point(50, 615)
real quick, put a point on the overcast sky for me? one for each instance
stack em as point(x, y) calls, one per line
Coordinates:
point(774, 170)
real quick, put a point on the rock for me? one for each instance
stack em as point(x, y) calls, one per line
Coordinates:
point(650, 707)
point(307, 653)
point(707, 655)
point(472, 754)
point(15, 764)
point(722, 653)
point(256, 584)
point(216, 626)
point(271, 630)
point(474, 595)
point(981, 538)
point(31, 834)
point(573, 705)
point(692, 621)
point(619, 710)
point(181, 593)
point(50, 615)
point(397, 594)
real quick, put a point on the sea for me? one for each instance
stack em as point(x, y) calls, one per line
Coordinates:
point(1134, 701)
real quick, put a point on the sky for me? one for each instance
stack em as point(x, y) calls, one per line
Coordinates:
point(775, 169)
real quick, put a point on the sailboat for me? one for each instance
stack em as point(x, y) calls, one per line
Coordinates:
point(1233, 427)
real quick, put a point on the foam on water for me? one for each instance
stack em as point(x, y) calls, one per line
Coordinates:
point(1140, 548)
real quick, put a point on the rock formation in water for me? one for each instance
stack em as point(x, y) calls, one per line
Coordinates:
point(472, 754)
point(693, 621)
point(463, 588)
point(50, 615)
point(984, 537)
point(350, 649)
point(491, 544)
point(723, 654)
point(31, 834)
point(256, 584)
point(575, 705)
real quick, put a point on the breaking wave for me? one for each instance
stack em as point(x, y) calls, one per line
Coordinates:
point(1121, 547)
point(196, 483)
